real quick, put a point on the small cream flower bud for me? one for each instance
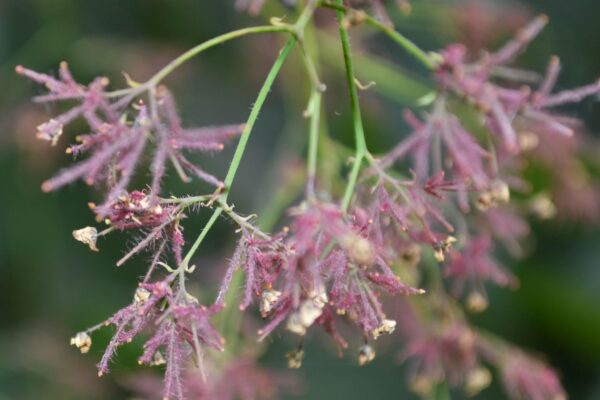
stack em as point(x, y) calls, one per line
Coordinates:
point(387, 326)
point(158, 359)
point(528, 141)
point(294, 325)
point(141, 296)
point(50, 131)
point(268, 298)
point(319, 296)
point(145, 202)
point(359, 249)
point(500, 192)
point(421, 385)
point(366, 354)
point(442, 248)
point(306, 315)
point(476, 302)
point(477, 380)
point(87, 235)
point(295, 358)
point(309, 312)
point(484, 201)
point(542, 207)
point(157, 209)
point(82, 341)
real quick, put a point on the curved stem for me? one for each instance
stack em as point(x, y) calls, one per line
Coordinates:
point(194, 51)
point(262, 95)
point(359, 133)
point(160, 75)
point(409, 46)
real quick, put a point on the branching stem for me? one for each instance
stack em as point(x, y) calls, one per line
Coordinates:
point(241, 147)
point(409, 46)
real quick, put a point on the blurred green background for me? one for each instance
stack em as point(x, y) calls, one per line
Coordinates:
point(51, 286)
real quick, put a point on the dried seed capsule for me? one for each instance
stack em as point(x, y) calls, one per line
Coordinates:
point(421, 385)
point(87, 235)
point(141, 296)
point(50, 131)
point(442, 248)
point(309, 311)
point(82, 341)
point(498, 193)
point(294, 325)
point(387, 326)
point(158, 359)
point(366, 354)
point(477, 380)
point(528, 141)
point(542, 207)
point(268, 298)
point(305, 316)
point(295, 358)
point(477, 302)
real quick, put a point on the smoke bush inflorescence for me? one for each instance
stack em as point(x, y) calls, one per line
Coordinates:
point(373, 259)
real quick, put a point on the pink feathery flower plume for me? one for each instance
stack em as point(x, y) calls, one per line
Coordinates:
point(323, 268)
point(117, 141)
point(505, 105)
point(178, 327)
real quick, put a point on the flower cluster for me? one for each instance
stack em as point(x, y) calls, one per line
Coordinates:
point(325, 266)
point(510, 110)
point(448, 350)
point(473, 267)
point(355, 263)
point(118, 136)
point(178, 325)
point(446, 353)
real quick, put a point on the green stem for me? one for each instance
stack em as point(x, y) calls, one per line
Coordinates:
point(305, 16)
point(314, 110)
point(194, 51)
point(200, 238)
point(262, 95)
point(359, 133)
point(311, 69)
point(241, 147)
point(409, 46)
point(232, 318)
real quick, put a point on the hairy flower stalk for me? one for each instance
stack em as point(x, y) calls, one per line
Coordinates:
point(363, 261)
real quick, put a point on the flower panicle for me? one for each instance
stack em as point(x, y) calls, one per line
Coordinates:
point(502, 104)
point(120, 135)
point(322, 270)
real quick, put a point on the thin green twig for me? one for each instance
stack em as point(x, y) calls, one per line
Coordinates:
point(409, 46)
point(314, 110)
point(359, 133)
point(194, 51)
point(241, 147)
